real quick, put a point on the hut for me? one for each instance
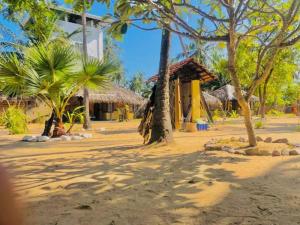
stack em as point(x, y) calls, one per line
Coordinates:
point(228, 98)
point(187, 101)
point(112, 103)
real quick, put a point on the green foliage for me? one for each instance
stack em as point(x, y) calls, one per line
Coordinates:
point(218, 114)
point(259, 124)
point(76, 116)
point(53, 73)
point(233, 114)
point(14, 119)
point(274, 112)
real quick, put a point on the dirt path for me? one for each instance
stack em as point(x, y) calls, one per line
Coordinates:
point(112, 179)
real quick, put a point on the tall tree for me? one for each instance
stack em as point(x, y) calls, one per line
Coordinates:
point(274, 24)
point(161, 124)
point(136, 84)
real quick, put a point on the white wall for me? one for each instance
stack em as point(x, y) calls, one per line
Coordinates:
point(94, 37)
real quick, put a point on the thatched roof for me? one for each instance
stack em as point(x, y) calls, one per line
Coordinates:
point(114, 94)
point(227, 92)
point(188, 69)
point(212, 102)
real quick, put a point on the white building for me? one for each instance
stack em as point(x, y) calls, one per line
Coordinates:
point(70, 21)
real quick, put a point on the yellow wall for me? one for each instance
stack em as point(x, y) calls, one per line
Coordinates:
point(196, 99)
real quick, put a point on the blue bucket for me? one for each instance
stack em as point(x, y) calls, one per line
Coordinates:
point(202, 126)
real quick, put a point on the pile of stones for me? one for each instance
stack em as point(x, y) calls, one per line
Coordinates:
point(73, 137)
point(217, 145)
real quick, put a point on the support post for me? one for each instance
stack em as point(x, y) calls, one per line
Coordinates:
point(178, 110)
point(196, 100)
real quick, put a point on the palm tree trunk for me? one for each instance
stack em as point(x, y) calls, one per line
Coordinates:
point(48, 125)
point(87, 121)
point(161, 125)
point(59, 128)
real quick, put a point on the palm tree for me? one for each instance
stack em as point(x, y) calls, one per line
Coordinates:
point(54, 74)
point(137, 83)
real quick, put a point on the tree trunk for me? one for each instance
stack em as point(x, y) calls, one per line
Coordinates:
point(161, 125)
point(48, 125)
point(231, 48)
point(87, 121)
point(59, 129)
point(264, 96)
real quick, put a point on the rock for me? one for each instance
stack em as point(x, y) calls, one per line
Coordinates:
point(84, 207)
point(259, 139)
point(76, 138)
point(42, 138)
point(256, 151)
point(86, 135)
point(268, 140)
point(241, 139)
point(276, 153)
point(239, 152)
point(285, 152)
point(29, 138)
point(281, 140)
point(55, 139)
point(234, 139)
point(212, 147)
point(66, 138)
point(225, 148)
point(294, 152)
point(102, 129)
point(231, 150)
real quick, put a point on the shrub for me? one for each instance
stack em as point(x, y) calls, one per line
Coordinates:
point(218, 114)
point(274, 112)
point(77, 115)
point(234, 114)
point(259, 125)
point(14, 119)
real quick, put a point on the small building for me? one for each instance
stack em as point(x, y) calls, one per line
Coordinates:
point(70, 22)
point(186, 97)
point(228, 98)
point(113, 103)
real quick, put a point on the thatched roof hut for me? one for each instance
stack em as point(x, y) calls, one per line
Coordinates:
point(212, 102)
point(227, 93)
point(114, 94)
point(187, 70)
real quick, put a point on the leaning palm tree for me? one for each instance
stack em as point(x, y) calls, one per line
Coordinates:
point(53, 74)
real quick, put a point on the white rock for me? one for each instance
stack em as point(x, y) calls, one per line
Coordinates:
point(66, 138)
point(86, 135)
point(42, 138)
point(102, 129)
point(55, 139)
point(29, 138)
point(76, 138)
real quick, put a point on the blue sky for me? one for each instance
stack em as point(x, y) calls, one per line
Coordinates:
point(139, 49)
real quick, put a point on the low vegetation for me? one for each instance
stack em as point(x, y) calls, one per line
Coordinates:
point(14, 119)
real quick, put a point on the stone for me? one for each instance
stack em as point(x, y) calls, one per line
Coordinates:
point(259, 139)
point(285, 152)
point(66, 138)
point(212, 147)
point(276, 153)
point(76, 138)
point(268, 140)
point(55, 139)
point(86, 135)
point(241, 139)
point(29, 138)
point(234, 139)
point(281, 140)
point(42, 138)
point(231, 150)
point(294, 152)
point(102, 129)
point(225, 148)
point(252, 151)
point(239, 152)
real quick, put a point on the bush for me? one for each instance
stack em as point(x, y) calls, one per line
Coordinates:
point(14, 119)
point(274, 112)
point(234, 114)
point(218, 114)
point(259, 125)
point(77, 115)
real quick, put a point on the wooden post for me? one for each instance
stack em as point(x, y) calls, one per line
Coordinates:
point(196, 99)
point(178, 110)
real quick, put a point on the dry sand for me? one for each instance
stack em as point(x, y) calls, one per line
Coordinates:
point(112, 179)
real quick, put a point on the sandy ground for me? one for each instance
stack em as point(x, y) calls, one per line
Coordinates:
point(112, 179)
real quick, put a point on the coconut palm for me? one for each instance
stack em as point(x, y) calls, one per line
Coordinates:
point(54, 74)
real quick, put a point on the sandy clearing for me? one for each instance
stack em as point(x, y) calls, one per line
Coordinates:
point(126, 183)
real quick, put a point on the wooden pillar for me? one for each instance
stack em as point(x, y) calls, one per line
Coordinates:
point(196, 100)
point(178, 109)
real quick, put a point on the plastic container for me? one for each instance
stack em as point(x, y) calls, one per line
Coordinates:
point(202, 126)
